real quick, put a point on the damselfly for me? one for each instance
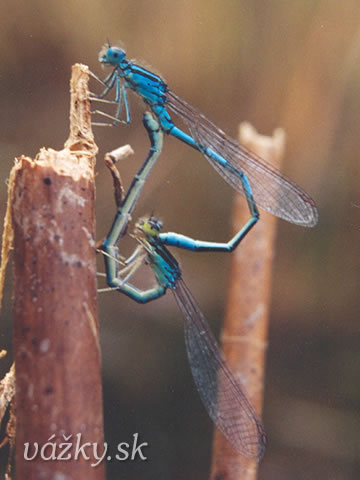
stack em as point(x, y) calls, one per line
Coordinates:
point(272, 190)
point(222, 395)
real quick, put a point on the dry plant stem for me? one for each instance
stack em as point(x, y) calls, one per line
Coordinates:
point(7, 237)
point(7, 390)
point(7, 393)
point(110, 159)
point(246, 321)
point(7, 384)
point(56, 337)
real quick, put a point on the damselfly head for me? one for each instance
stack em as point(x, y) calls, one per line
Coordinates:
point(150, 226)
point(111, 55)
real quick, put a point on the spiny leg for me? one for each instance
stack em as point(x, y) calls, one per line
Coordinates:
point(112, 80)
point(107, 115)
point(100, 80)
point(109, 82)
point(116, 282)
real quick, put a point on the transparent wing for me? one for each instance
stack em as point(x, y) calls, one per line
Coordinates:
point(227, 406)
point(272, 191)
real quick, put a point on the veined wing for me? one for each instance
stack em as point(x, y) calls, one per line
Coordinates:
point(272, 190)
point(227, 405)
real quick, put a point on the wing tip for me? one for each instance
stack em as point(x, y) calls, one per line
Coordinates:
point(312, 218)
point(262, 443)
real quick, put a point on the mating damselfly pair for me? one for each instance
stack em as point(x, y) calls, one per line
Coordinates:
point(261, 184)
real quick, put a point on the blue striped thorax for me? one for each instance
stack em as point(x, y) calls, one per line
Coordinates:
point(148, 85)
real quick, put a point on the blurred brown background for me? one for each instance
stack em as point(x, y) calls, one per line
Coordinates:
point(276, 63)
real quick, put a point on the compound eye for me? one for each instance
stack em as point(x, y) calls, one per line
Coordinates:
point(156, 225)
